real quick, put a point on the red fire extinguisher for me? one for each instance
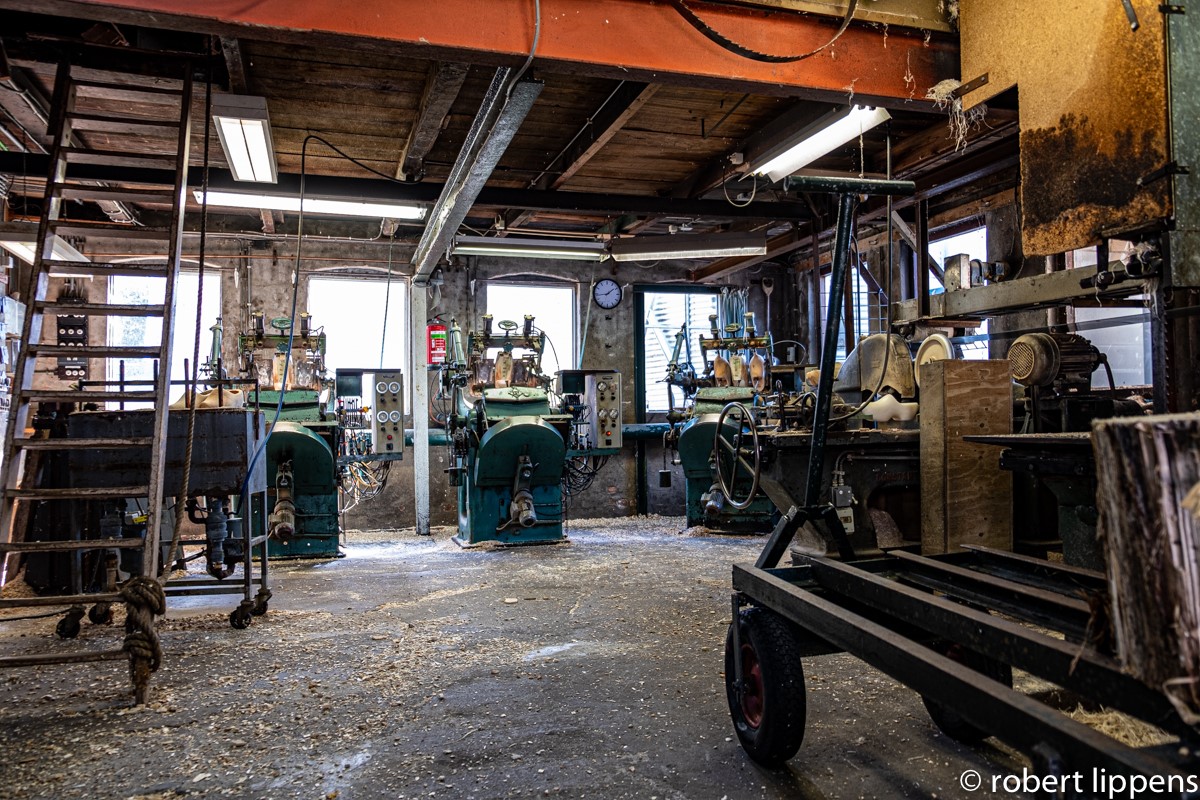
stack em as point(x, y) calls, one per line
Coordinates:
point(435, 341)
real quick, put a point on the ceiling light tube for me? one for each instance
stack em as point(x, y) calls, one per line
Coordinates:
point(507, 247)
point(25, 248)
point(245, 132)
point(818, 139)
point(312, 205)
point(651, 248)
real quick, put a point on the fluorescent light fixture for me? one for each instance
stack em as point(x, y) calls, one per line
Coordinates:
point(820, 138)
point(651, 248)
point(568, 249)
point(24, 247)
point(245, 132)
point(312, 205)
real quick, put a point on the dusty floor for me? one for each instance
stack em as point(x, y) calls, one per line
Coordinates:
point(416, 669)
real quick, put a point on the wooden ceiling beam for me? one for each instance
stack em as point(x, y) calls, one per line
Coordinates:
point(235, 65)
point(442, 86)
point(597, 130)
point(632, 39)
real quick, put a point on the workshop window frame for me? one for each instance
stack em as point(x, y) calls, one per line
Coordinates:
point(642, 380)
point(341, 335)
point(563, 356)
point(125, 330)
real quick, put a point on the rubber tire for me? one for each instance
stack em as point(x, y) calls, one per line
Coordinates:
point(67, 627)
point(260, 609)
point(779, 731)
point(239, 619)
point(100, 616)
point(947, 720)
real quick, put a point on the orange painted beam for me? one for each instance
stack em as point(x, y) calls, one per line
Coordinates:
point(638, 39)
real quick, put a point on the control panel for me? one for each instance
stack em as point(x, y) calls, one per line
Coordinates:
point(602, 393)
point(387, 413)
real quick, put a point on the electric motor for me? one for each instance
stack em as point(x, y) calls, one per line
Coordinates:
point(1064, 360)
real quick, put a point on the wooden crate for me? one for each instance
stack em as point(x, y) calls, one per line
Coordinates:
point(965, 497)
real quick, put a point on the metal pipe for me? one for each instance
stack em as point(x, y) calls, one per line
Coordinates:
point(837, 283)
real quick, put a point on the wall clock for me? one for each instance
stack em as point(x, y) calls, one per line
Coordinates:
point(607, 293)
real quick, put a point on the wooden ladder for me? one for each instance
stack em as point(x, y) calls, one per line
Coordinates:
point(134, 107)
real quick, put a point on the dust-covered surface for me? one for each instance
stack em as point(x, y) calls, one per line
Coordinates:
point(415, 669)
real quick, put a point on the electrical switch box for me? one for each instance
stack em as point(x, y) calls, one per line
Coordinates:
point(72, 332)
point(387, 412)
point(602, 394)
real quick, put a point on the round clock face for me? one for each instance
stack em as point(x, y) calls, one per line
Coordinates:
point(607, 293)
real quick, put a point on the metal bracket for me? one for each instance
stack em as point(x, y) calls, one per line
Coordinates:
point(1166, 170)
point(972, 85)
point(1171, 8)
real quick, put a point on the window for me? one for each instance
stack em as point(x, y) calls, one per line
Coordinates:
point(553, 309)
point(666, 312)
point(351, 311)
point(973, 346)
point(147, 331)
point(867, 303)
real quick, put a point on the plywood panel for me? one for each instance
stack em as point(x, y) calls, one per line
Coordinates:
point(965, 497)
point(1092, 110)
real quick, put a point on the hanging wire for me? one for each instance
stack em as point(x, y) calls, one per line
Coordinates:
point(387, 298)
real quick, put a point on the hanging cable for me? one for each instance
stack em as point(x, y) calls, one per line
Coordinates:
point(537, 34)
point(387, 297)
point(754, 55)
point(189, 381)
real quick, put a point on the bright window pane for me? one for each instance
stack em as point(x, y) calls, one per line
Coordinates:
point(553, 309)
point(866, 316)
point(351, 310)
point(666, 312)
point(973, 244)
point(1123, 335)
point(147, 331)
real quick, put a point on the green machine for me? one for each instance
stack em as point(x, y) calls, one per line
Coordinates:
point(706, 503)
point(302, 470)
point(735, 375)
point(518, 449)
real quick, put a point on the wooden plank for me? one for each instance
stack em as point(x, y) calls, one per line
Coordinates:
point(965, 497)
point(1148, 496)
point(444, 83)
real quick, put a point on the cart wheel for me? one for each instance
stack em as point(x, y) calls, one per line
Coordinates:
point(261, 602)
point(101, 614)
point(768, 710)
point(239, 618)
point(947, 720)
point(68, 626)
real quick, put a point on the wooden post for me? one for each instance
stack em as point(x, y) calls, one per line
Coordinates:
point(1147, 471)
point(965, 497)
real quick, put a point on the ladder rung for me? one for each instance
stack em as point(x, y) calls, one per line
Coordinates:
point(117, 158)
point(93, 351)
point(118, 231)
point(70, 544)
point(59, 600)
point(83, 83)
point(132, 125)
point(66, 443)
point(80, 493)
point(85, 396)
point(103, 270)
point(116, 194)
point(100, 309)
